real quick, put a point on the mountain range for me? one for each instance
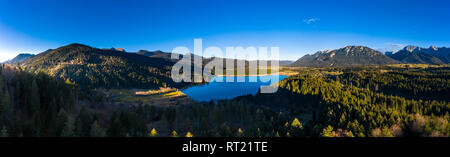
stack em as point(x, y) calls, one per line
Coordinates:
point(113, 68)
point(347, 56)
point(93, 67)
point(361, 55)
point(418, 55)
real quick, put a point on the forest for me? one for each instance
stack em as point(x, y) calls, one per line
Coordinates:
point(365, 101)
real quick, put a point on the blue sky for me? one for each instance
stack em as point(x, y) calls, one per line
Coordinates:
point(297, 27)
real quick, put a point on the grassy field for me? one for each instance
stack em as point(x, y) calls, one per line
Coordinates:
point(417, 65)
point(161, 97)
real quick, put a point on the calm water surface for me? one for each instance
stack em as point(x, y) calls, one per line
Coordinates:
point(215, 90)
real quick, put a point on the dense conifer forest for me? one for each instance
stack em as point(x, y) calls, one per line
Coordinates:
point(366, 101)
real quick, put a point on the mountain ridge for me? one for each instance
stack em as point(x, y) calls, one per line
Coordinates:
point(19, 58)
point(346, 56)
point(93, 67)
point(419, 55)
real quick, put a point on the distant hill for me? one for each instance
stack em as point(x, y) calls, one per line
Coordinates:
point(107, 68)
point(167, 55)
point(118, 49)
point(431, 55)
point(285, 62)
point(414, 55)
point(347, 56)
point(156, 54)
point(19, 58)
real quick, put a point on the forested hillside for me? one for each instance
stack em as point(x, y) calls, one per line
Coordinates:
point(106, 68)
point(36, 105)
point(366, 102)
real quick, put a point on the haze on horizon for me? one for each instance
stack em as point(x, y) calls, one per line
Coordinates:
point(297, 27)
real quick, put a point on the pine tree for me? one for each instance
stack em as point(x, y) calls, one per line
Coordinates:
point(18, 125)
point(68, 130)
point(115, 129)
point(37, 124)
point(2, 106)
point(6, 111)
point(1, 95)
point(61, 120)
point(84, 121)
point(35, 102)
point(4, 132)
point(96, 130)
point(18, 93)
point(78, 128)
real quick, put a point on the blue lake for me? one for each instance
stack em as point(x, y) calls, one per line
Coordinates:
point(216, 90)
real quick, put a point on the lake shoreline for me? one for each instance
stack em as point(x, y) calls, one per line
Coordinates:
point(222, 90)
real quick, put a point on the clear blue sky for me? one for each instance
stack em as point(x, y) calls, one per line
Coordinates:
point(297, 27)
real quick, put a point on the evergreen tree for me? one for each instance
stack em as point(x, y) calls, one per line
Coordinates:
point(83, 124)
point(61, 121)
point(4, 132)
point(6, 110)
point(2, 97)
point(37, 125)
point(68, 130)
point(35, 101)
point(115, 129)
point(96, 130)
